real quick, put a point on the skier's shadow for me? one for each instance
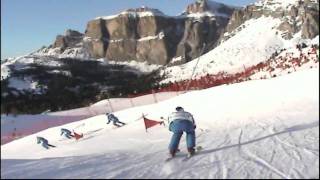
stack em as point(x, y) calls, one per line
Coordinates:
point(287, 130)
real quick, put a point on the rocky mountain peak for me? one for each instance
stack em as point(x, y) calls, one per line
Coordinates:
point(69, 39)
point(72, 33)
point(144, 10)
point(135, 12)
point(212, 8)
point(295, 16)
point(199, 6)
point(148, 35)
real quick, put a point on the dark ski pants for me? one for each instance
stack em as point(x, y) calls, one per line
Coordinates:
point(46, 145)
point(69, 136)
point(175, 139)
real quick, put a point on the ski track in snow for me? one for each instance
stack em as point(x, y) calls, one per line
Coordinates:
point(148, 166)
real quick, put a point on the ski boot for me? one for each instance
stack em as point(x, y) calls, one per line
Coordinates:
point(172, 153)
point(191, 152)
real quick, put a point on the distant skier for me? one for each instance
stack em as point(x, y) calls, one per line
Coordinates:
point(182, 121)
point(66, 133)
point(114, 119)
point(44, 142)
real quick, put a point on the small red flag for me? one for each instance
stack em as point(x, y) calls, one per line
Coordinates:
point(149, 123)
point(77, 136)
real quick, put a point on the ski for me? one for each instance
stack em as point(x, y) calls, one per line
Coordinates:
point(169, 159)
point(189, 156)
point(172, 157)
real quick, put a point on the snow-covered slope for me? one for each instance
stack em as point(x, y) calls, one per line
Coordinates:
point(27, 83)
point(274, 4)
point(253, 42)
point(256, 129)
point(13, 127)
point(75, 52)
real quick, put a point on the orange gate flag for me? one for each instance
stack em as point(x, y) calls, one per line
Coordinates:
point(149, 123)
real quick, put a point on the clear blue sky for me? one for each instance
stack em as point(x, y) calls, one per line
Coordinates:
point(26, 25)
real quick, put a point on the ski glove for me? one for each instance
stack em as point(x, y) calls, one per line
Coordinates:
point(170, 126)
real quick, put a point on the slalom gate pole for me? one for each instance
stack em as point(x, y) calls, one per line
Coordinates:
point(187, 88)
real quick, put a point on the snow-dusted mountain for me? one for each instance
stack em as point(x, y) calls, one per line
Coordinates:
point(262, 40)
point(33, 84)
point(257, 129)
point(139, 12)
point(265, 127)
point(146, 34)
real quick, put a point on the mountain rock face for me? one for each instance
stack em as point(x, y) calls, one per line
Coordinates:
point(141, 34)
point(205, 22)
point(146, 34)
point(297, 16)
point(70, 39)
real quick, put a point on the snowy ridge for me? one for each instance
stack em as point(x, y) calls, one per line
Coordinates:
point(274, 4)
point(145, 12)
point(139, 12)
point(233, 128)
point(213, 11)
point(75, 52)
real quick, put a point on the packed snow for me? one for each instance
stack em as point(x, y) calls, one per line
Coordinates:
point(256, 129)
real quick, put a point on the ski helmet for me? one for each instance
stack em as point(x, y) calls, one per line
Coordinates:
point(179, 108)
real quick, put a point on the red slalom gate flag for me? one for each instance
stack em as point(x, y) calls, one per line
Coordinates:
point(77, 136)
point(149, 123)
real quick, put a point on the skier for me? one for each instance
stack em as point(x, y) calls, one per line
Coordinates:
point(182, 121)
point(114, 119)
point(44, 142)
point(66, 132)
